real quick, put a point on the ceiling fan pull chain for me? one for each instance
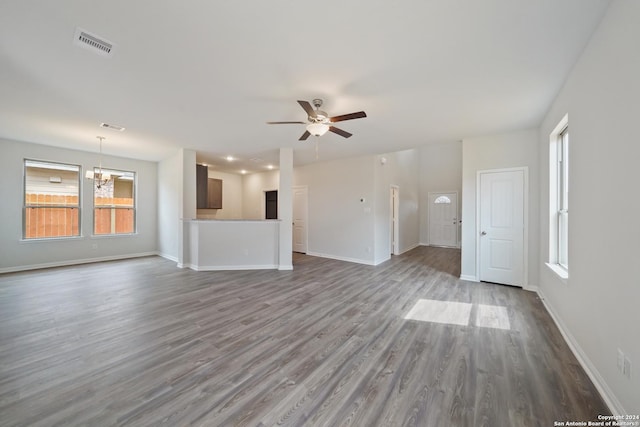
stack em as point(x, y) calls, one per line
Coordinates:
point(317, 156)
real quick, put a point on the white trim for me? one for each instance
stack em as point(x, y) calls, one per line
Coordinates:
point(469, 278)
point(380, 261)
point(231, 267)
point(559, 271)
point(75, 262)
point(598, 381)
point(341, 258)
point(411, 248)
point(552, 254)
point(285, 267)
point(525, 243)
point(169, 257)
point(394, 220)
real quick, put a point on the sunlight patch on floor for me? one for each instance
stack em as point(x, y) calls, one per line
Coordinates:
point(453, 313)
point(459, 313)
point(492, 316)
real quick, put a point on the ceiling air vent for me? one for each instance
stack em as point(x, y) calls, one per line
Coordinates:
point(112, 127)
point(92, 42)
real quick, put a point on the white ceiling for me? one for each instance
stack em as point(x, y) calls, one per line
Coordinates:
point(207, 75)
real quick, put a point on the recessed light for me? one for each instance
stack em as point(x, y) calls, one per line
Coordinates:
point(243, 171)
point(230, 158)
point(269, 166)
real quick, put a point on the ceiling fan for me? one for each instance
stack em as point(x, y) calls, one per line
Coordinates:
point(319, 122)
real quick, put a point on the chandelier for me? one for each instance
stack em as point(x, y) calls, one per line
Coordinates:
point(100, 178)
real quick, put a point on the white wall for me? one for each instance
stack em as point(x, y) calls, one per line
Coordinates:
point(169, 206)
point(285, 210)
point(440, 170)
point(340, 225)
point(233, 245)
point(400, 168)
point(253, 189)
point(231, 197)
point(516, 149)
point(598, 307)
point(17, 254)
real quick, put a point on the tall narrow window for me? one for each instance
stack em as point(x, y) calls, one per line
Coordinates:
point(114, 203)
point(51, 200)
point(563, 199)
point(559, 199)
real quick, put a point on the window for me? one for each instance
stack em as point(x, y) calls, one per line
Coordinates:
point(559, 199)
point(441, 200)
point(563, 198)
point(51, 200)
point(114, 203)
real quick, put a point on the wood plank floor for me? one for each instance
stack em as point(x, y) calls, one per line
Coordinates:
point(143, 343)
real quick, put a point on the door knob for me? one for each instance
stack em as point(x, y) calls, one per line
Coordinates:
point(483, 233)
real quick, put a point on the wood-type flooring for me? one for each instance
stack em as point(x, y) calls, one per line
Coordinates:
point(142, 343)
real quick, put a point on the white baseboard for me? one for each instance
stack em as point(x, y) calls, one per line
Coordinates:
point(231, 267)
point(74, 262)
point(446, 247)
point(169, 257)
point(601, 385)
point(380, 261)
point(340, 258)
point(285, 267)
point(410, 248)
point(469, 278)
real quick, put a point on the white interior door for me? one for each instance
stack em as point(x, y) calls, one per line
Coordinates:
point(300, 219)
point(443, 219)
point(502, 227)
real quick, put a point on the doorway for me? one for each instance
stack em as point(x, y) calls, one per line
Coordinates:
point(300, 219)
point(271, 204)
point(502, 226)
point(443, 219)
point(394, 226)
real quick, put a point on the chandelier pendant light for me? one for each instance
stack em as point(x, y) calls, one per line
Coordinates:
point(100, 178)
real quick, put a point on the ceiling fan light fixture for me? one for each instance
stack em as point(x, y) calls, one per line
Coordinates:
point(319, 121)
point(317, 129)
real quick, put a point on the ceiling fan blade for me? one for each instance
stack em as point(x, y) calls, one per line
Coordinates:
point(285, 123)
point(340, 131)
point(308, 108)
point(358, 115)
point(304, 136)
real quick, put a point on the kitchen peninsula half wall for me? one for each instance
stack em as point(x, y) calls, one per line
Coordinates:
point(211, 244)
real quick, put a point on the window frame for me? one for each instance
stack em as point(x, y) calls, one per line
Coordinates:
point(562, 211)
point(133, 207)
point(26, 206)
point(559, 184)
